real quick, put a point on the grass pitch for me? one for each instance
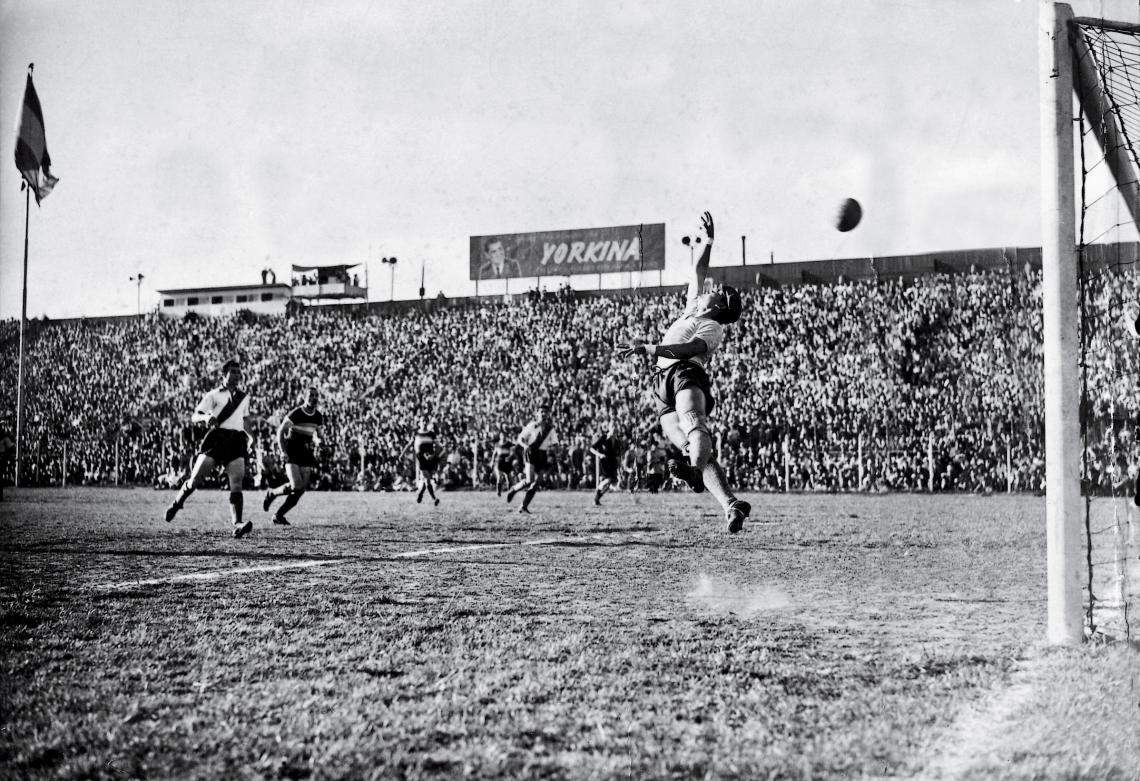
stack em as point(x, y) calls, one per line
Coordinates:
point(845, 637)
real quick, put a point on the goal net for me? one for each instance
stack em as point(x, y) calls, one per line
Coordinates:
point(1091, 210)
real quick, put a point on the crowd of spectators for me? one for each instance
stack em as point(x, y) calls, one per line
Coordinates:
point(931, 383)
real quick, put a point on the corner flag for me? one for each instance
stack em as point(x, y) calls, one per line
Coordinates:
point(32, 158)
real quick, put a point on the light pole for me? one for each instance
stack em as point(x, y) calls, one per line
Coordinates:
point(137, 279)
point(391, 263)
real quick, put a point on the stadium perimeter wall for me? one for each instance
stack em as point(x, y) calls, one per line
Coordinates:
point(806, 272)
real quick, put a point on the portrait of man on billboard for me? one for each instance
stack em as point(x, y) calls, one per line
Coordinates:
point(496, 262)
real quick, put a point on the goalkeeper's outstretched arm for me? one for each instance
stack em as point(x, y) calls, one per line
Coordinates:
point(701, 269)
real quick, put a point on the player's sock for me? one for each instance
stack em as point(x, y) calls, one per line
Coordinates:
point(289, 503)
point(176, 505)
point(717, 484)
point(514, 489)
point(236, 503)
point(183, 494)
point(530, 492)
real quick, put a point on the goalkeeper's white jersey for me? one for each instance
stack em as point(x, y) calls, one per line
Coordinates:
point(688, 327)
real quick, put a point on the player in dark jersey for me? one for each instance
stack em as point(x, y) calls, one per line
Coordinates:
point(656, 463)
point(504, 452)
point(607, 449)
point(427, 454)
point(297, 435)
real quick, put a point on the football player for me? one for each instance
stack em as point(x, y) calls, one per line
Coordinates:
point(682, 387)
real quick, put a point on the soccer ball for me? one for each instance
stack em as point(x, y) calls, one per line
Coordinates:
point(850, 212)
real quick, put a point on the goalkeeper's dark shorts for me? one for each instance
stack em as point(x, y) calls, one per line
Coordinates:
point(300, 453)
point(668, 382)
point(223, 445)
point(427, 464)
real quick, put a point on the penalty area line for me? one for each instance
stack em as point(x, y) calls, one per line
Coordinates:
point(201, 577)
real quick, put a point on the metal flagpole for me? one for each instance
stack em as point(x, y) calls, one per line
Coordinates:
point(23, 325)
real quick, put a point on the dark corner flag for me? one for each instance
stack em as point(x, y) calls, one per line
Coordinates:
point(32, 158)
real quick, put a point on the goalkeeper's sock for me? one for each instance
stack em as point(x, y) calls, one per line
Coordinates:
point(715, 481)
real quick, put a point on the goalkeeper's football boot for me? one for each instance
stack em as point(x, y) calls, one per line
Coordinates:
point(735, 515)
point(686, 473)
point(244, 529)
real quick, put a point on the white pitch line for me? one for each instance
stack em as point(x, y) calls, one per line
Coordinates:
point(483, 546)
point(221, 573)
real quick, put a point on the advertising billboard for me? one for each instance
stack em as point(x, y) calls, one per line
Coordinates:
point(558, 253)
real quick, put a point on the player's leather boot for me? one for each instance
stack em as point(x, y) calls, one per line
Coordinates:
point(737, 512)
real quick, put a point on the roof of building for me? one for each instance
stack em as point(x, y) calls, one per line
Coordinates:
point(225, 289)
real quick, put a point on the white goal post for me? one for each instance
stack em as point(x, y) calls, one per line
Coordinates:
point(1061, 338)
point(1066, 69)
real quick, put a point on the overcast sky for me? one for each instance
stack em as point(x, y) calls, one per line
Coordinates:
point(199, 142)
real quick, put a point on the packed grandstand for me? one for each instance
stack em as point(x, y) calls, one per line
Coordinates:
point(930, 383)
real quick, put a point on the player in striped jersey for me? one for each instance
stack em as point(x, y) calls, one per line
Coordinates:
point(682, 387)
point(427, 453)
point(225, 411)
point(297, 435)
point(537, 439)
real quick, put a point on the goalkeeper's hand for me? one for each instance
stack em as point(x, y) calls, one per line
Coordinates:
point(632, 347)
point(707, 224)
